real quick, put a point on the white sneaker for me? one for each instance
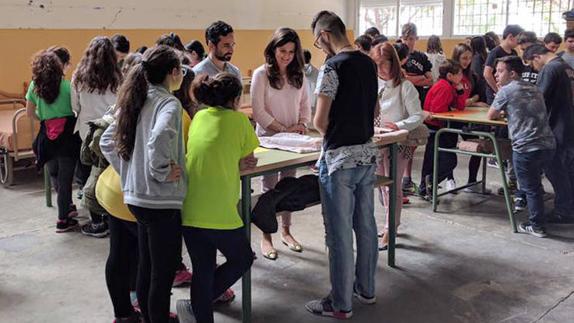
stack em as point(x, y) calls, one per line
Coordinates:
point(450, 185)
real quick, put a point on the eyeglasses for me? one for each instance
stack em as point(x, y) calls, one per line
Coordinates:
point(316, 43)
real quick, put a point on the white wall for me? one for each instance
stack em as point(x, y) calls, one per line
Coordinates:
point(159, 14)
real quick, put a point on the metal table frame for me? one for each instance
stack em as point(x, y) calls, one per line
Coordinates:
point(496, 155)
point(245, 209)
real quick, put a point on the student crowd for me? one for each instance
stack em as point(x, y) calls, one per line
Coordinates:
point(151, 177)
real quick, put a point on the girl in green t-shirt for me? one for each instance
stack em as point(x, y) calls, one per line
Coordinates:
point(48, 100)
point(221, 143)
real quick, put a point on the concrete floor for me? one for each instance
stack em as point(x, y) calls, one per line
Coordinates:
point(462, 264)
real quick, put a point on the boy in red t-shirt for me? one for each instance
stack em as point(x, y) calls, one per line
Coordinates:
point(445, 95)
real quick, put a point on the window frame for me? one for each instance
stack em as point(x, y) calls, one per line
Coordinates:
point(448, 26)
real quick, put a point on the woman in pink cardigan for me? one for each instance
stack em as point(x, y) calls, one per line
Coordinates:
point(280, 104)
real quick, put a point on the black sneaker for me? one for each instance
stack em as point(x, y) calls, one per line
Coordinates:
point(96, 230)
point(511, 189)
point(532, 230)
point(66, 225)
point(519, 204)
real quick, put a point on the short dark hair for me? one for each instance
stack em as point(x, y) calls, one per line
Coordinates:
point(329, 20)
point(511, 30)
point(141, 50)
point(307, 56)
point(379, 40)
point(372, 31)
point(527, 37)
point(533, 50)
point(569, 33)
point(449, 66)
point(402, 50)
point(552, 38)
point(171, 40)
point(216, 30)
point(195, 46)
point(364, 42)
point(513, 64)
point(121, 43)
point(409, 29)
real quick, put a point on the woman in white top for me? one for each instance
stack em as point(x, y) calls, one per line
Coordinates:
point(400, 108)
point(94, 88)
point(280, 103)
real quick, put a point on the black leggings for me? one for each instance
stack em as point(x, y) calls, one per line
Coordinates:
point(62, 170)
point(210, 281)
point(121, 266)
point(159, 244)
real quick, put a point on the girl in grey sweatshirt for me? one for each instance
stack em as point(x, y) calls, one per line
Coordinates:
point(145, 146)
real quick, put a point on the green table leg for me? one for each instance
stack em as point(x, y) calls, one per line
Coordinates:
point(484, 161)
point(246, 213)
point(47, 186)
point(504, 184)
point(435, 171)
point(393, 205)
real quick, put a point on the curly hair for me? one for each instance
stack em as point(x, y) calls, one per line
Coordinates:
point(47, 74)
point(281, 37)
point(62, 53)
point(217, 91)
point(98, 69)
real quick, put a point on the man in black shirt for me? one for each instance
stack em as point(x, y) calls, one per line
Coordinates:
point(347, 96)
point(556, 81)
point(506, 48)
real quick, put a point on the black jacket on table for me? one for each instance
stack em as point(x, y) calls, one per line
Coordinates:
point(290, 194)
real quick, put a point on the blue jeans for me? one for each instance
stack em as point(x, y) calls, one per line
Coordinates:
point(528, 167)
point(347, 197)
point(560, 173)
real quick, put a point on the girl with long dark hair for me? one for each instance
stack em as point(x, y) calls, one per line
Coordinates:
point(94, 88)
point(48, 100)
point(145, 146)
point(280, 104)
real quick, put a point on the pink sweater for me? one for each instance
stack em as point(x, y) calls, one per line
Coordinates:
point(288, 106)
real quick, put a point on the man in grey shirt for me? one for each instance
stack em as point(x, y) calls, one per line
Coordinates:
point(533, 142)
point(221, 42)
point(568, 54)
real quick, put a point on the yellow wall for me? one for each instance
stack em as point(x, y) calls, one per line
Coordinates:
point(20, 44)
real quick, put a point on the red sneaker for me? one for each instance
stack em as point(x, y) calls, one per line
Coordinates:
point(182, 277)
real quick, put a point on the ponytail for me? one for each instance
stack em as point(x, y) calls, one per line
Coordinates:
point(156, 64)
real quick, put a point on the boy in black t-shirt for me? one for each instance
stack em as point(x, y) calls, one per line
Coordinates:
point(418, 67)
point(506, 48)
point(525, 40)
point(556, 81)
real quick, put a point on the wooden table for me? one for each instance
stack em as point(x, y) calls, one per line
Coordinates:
point(272, 161)
point(476, 116)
